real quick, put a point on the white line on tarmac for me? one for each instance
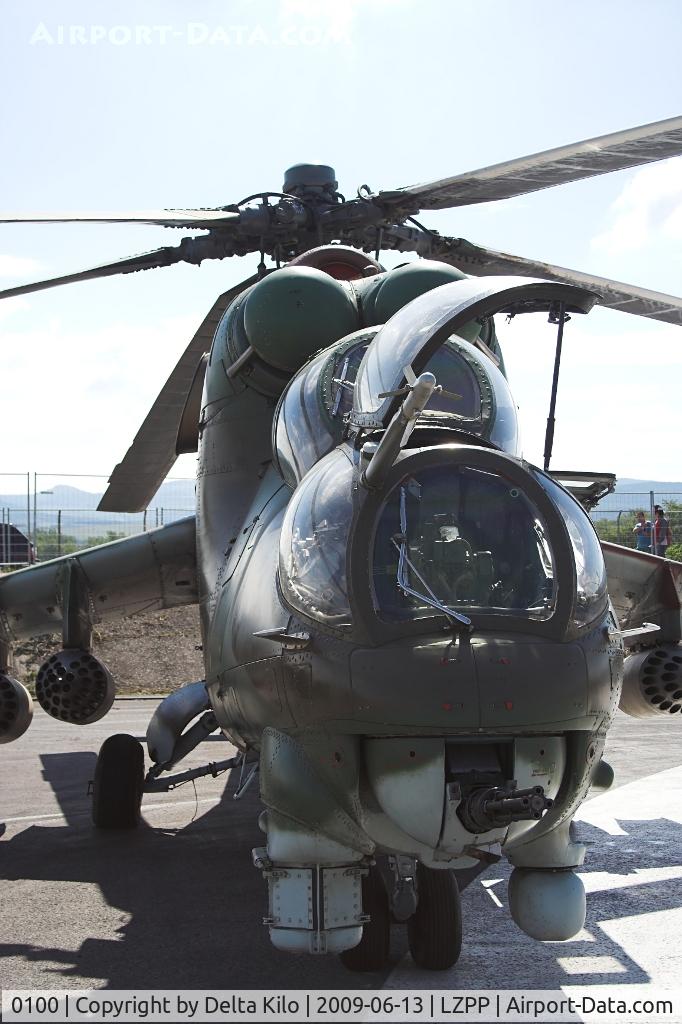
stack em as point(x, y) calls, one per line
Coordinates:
point(86, 814)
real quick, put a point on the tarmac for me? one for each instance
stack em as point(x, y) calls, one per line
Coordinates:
point(177, 903)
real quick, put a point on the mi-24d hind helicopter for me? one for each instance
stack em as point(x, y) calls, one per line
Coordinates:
point(406, 627)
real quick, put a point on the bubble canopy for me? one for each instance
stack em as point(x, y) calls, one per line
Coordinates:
point(310, 416)
point(413, 335)
point(456, 534)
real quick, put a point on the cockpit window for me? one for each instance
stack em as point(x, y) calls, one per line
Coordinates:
point(346, 367)
point(457, 539)
point(309, 419)
point(589, 559)
point(461, 394)
point(314, 542)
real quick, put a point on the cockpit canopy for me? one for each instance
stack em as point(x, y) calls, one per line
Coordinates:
point(459, 534)
point(455, 538)
point(310, 418)
point(387, 537)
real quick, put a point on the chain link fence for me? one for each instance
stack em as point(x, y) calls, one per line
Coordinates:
point(44, 515)
point(615, 516)
point(15, 516)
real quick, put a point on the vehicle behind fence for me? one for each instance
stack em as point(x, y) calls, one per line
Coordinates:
point(43, 515)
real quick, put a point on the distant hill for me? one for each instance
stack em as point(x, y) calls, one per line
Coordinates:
point(79, 518)
point(176, 498)
point(657, 486)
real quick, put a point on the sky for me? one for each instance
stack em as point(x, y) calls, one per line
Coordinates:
point(132, 106)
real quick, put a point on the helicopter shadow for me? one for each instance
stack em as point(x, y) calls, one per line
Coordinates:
point(160, 907)
point(179, 905)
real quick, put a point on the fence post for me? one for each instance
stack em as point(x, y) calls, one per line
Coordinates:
point(35, 510)
point(28, 511)
point(144, 521)
point(59, 531)
point(652, 502)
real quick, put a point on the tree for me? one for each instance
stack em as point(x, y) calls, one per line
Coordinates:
point(50, 544)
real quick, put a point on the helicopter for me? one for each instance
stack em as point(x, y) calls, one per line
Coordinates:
point(412, 636)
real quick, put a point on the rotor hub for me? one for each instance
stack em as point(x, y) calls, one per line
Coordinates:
point(303, 178)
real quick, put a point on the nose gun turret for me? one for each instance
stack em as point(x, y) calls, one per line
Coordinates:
point(496, 807)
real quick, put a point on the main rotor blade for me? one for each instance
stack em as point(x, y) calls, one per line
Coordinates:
point(476, 260)
point(163, 218)
point(164, 257)
point(643, 145)
point(137, 478)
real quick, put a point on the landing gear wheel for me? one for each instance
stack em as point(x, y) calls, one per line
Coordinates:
point(117, 790)
point(434, 932)
point(372, 952)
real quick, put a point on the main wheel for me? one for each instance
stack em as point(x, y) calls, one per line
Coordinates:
point(117, 790)
point(434, 932)
point(372, 952)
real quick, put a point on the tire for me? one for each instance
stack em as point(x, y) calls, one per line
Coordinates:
point(434, 932)
point(372, 952)
point(117, 788)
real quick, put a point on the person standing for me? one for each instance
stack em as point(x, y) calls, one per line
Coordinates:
point(662, 533)
point(642, 532)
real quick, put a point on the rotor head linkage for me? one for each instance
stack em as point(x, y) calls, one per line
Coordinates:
point(310, 177)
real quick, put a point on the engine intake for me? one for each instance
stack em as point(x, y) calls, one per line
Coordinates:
point(652, 682)
point(16, 708)
point(74, 686)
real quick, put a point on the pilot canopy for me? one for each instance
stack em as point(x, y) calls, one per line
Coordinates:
point(309, 422)
point(455, 527)
point(457, 533)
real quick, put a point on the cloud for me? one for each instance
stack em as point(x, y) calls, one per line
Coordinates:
point(76, 396)
point(651, 201)
point(337, 19)
point(615, 411)
point(18, 266)
point(10, 306)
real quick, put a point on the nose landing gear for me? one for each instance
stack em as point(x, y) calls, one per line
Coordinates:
point(117, 787)
point(434, 932)
point(434, 928)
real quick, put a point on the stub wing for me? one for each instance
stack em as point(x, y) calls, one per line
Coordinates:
point(645, 588)
point(150, 571)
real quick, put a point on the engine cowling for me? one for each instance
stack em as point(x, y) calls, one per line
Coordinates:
point(74, 686)
point(16, 708)
point(652, 682)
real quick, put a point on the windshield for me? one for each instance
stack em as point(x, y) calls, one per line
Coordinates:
point(589, 560)
point(457, 539)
